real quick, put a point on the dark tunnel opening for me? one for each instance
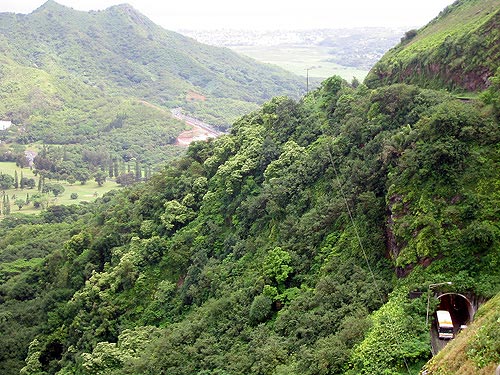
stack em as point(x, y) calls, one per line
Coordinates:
point(460, 308)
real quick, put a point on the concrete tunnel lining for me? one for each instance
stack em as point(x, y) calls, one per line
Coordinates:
point(460, 307)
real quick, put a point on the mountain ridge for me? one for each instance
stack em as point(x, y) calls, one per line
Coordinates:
point(275, 249)
point(92, 66)
point(140, 57)
point(457, 50)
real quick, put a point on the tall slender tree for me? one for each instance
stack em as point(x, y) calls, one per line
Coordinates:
point(138, 172)
point(116, 169)
point(110, 168)
point(123, 167)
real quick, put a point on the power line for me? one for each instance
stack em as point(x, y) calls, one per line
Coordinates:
point(381, 296)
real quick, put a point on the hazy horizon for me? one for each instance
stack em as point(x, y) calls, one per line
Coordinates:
point(263, 15)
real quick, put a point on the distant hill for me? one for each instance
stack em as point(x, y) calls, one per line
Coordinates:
point(346, 52)
point(458, 50)
point(120, 52)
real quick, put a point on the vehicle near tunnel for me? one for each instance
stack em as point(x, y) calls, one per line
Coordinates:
point(444, 324)
point(459, 306)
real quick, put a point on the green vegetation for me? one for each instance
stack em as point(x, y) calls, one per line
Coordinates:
point(458, 50)
point(474, 351)
point(119, 51)
point(106, 82)
point(29, 199)
point(302, 242)
point(242, 257)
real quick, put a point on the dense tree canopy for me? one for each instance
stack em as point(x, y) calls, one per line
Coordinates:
point(302, 242)
point(273, 249)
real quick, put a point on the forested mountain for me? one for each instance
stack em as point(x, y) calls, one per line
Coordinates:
point(458, 50)
point(303, 242)
point(107, 80)
point(120, 51)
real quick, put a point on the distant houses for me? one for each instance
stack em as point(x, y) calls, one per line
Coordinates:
point(5, 125)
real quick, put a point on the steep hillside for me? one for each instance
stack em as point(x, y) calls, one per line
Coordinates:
point(271, 250)
point(459, 50)
point(60, 109)
point(120, 51)
point(302, 242)
point(105, 82)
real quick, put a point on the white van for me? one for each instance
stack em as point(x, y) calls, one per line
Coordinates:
point(444, 324)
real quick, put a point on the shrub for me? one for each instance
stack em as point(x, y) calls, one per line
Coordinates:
point(260, 309)
point(409, 35)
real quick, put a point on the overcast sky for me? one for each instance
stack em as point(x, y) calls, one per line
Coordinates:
point(263, 14)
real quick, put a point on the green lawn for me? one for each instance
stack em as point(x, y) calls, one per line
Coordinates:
point(88, 192)
point(10, 168)
point(297, 59)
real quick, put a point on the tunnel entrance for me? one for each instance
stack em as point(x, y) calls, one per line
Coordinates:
point(459, 306)
point(461, 309)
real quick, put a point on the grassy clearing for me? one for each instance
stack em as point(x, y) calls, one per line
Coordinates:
point(11, 168)
point(88, 192)
point(297, 59)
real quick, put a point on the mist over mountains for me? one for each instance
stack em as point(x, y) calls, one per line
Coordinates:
point(349, 47)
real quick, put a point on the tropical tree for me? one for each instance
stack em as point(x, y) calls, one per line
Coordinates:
point(20, 203)
point(100, 177)
point(6, 181)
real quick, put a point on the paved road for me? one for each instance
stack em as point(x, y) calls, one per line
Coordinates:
point(177, 113)
point(436, 343)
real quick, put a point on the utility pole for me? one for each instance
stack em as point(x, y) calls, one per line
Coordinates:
point(307, 77)
point(307, 80)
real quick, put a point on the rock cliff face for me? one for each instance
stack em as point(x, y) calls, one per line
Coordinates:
point(450, 77)
point(459, 50)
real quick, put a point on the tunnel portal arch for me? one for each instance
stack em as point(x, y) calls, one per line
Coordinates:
point(461, 309)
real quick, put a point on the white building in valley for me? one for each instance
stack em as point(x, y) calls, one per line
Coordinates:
point(5, 125)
